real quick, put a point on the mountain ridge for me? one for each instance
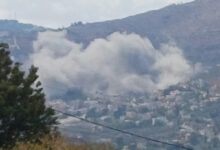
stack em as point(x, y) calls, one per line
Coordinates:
point(180, 23)
point(193, 26)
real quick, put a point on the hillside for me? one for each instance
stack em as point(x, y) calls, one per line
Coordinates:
point(19, 36)
point(193, 26)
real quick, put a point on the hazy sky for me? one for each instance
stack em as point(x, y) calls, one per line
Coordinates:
point(58, 13)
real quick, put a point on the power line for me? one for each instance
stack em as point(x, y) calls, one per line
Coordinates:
point(124, 132)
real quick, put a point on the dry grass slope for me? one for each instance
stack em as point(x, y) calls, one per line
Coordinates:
point(60, 144)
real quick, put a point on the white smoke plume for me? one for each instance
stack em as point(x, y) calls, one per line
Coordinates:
point(122, 63)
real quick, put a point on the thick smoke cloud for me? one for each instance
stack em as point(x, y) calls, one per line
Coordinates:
point(120, 64)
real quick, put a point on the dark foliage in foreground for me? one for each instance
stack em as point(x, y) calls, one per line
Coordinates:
point(23, 114)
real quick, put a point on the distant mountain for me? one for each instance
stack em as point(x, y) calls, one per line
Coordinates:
point(19, 36)
point(194, 26)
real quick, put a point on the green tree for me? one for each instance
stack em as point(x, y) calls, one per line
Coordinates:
point(23, 114)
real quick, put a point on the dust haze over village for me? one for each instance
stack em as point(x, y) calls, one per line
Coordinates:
point(152, 68)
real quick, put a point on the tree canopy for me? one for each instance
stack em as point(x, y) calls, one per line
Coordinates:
point(23, 113)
